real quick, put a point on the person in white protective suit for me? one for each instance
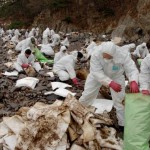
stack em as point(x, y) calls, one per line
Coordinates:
point(91, 47)
point(65, 67)
point(29, 42)
point(55, 40)
point(32, 33)
point(65, 42)
point(47, 50)
point(25, 60)
point(46, 35)
point(52, 32)
point(128, 47)
point(141, 51)
point(26, 34)
point(37, 32)
point(17, 32)
point(144, 77)
point(107, 67)
point(15, 38)
point(2, 32)
point(60, 54)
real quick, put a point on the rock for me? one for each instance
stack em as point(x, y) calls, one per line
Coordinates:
point(22, 76)
point(1, 106)
point(53, 97)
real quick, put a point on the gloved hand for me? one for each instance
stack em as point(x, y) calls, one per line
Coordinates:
point(75, 81)
point(134, 88)
point(25, 65)
point(145, 92)
point(115, 86)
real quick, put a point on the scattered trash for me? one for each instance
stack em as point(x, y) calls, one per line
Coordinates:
point(60, 92)
point(102, 105)
point(51, 74)
point(27, 82)
point(60, 126)
point(14, 73)
point(56, 85)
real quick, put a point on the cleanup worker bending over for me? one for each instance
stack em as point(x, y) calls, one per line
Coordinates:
point(25, 60)
point(65, 67)
point(107, 68)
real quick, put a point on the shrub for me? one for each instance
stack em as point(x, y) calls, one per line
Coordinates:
point(57, 4)
point(68, 20)
point(16, 25)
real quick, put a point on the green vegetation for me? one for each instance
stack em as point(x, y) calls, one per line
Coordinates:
point(68, 20)
point(16, 25)
point(107, 12)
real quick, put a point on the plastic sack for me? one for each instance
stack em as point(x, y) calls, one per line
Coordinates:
point(102, 105)
point(139, 61)
point(27, 82)
point(40, 57)
point(56, 85)
point(137, 122)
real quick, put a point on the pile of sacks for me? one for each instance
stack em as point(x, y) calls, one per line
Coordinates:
point(60, 126)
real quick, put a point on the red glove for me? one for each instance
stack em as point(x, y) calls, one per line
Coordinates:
point(145, 92)
point(115, 86)
point(134, 88)
point(75, 81)
point(25, 65)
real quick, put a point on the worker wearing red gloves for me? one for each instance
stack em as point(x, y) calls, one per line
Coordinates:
point(144, 77)
point(25, 60)
point(107, 67)
point(65, 67)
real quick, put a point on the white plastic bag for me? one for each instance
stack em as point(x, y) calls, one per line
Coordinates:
point(27, 82)
point(14, 73)
point(56, 85)
point(102, 105)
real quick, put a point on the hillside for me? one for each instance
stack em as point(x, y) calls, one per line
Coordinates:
point(98, 16)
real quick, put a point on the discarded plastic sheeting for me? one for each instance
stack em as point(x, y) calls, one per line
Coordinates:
point(3, 129)
point(9, 64)
point(14, 73)
point(51, 74)
point(14, 123)
point(77, 147)
point(56, 85)
point(47, 128)
point(63, 92)
point(102, 105)
point(27, 82)
point(10, 142)
point(60, 92)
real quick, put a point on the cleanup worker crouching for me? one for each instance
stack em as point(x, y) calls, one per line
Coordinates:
point(25, 60)
point(65, 67)
point(107, 68)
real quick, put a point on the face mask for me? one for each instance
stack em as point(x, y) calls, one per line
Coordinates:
point(107, 60)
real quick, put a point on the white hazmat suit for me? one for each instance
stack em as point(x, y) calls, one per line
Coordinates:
point(102, 73)
point(141, 51)
point(47, 50)
point(22, 45)
point(55, 40)
point(32, 33)
point(144, 77)
point(65, 42)
point(60, 54)
point(46, 34)
point(65, 67)
point(22, 59)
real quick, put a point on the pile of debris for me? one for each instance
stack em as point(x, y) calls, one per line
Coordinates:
point(59, 126)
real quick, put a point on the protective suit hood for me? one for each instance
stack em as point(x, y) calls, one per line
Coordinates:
point(132, 45)
point(74, 54)
point(143, 44)
point(62, 48)
point(109, 48)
